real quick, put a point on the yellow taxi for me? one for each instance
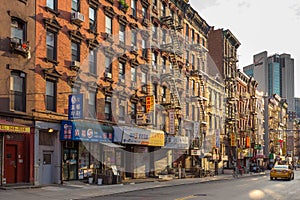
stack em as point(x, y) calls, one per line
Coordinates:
point(282, 171)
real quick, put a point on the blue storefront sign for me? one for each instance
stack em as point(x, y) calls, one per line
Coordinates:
point(75, 109)
point(86, 131)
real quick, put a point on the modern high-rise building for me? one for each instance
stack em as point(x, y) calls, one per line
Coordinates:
point(274, 74)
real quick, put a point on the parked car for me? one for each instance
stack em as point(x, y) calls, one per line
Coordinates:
point(282, 171)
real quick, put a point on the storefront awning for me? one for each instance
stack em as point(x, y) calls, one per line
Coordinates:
point(113, 145)
point(86, 131)
point(12, 127)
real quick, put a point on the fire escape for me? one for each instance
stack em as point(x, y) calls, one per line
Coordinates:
point(174, 77)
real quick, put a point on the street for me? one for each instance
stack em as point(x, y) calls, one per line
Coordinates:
point(259, 187)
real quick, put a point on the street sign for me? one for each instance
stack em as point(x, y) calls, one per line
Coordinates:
point(149, 103)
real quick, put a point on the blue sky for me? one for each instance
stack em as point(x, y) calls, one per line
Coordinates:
point(260, 25)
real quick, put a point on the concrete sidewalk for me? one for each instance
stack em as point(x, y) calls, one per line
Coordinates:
point(73, 190)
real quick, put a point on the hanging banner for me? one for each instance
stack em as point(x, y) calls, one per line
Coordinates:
point(172, 122)
point(149, 103)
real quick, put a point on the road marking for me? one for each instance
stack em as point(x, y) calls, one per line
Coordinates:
point(187, 197)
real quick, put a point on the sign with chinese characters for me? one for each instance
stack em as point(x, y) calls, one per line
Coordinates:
point(75, 110)
point(232, 140)
point(157, 138)
point(143, 119)
point(132, 135)
point(149, 103)
point(177, 142)
point(172, 122)
point(85, 131)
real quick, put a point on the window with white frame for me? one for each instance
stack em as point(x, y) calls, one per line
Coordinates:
point(154, 60)
point(75, 51)
point(51, 4)
point(92, 104)
point(92, 19)
point(107, 108)
point(18, 30)
point(121, 111)
point(93, 61)
point(51, 95)
point(108, 64)
point(134, 8)
point(108, 25)
point(133, 74)
point(18, 91)
point(144, 78)
point(122, 72)
point(51, 45)
point(75, 6)
point(122, 33)
point(144, 49)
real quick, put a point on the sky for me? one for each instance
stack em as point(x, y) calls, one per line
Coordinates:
point(259, 25)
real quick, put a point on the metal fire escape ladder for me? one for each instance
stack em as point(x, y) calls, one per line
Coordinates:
point(174, 49)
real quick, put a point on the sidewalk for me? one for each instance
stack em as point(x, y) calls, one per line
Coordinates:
point(73, 190)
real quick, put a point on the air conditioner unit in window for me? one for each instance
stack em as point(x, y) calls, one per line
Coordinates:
point(15, 40)
point(75, 63)
point(77, 17)
point(107, 75)
point(163, 99)
point(133, 84)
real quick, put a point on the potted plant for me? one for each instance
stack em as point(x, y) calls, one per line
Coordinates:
point(123, 5)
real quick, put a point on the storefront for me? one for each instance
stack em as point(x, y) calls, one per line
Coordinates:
point(88, 150)
point(16, 152)
point(141, 145)
point(178, 147)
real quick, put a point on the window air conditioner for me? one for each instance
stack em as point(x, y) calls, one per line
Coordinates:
point(77, 17)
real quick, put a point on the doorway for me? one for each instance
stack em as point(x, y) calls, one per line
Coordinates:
point(47, 167)
point(10, 165)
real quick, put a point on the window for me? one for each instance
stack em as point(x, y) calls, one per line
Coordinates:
point(154, 31)
point(164, 64)
point(187, 110)
point(133, 8)
point(133, 111)
point(187, 84)
point(108, 64)
point(154, 2)
point(193, 87)
point(50, 95)
point(163, 9)
point(75, 51)
point(172, 14)
point(193, 61)
point(122, 72)
point(93, 61)
point(121, 111)
point(187, 58)
point(154, 60)
point(133, 74)
point(193, 36)
point(92, 104)
point(51, 4)
point(198, 39)
point(92, 17)
point(122, 33)
point(133, 38)
point(108, 25)
point(18, 30)
point(107, 108)
point(18, 91)
point(164, 92)
point(144, 78)
point(164, 36)
point(144, 49)
point(144, 12)
point(75, 5)
point(155, 85)
point(187, 32)
point(51, 45)
point(193, 112)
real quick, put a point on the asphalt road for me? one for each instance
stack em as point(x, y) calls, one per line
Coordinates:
point(260, 187)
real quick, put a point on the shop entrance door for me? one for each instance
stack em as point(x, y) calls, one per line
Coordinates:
point(70, 165)
point(11, 163)
point(47, 167)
